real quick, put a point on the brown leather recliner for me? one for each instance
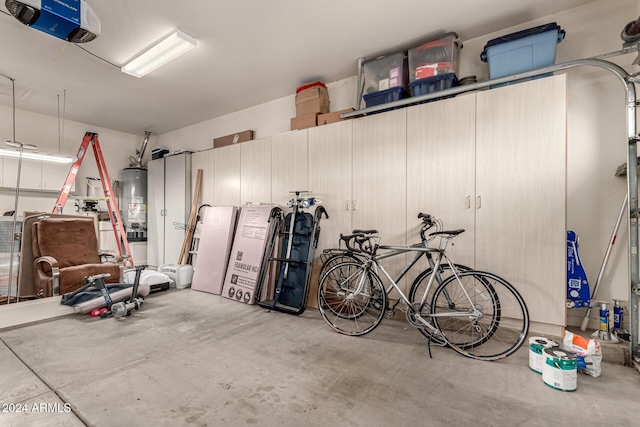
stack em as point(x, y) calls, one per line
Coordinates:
point(66, 251)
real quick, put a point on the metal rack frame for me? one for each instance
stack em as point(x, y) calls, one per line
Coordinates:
point(633, 138)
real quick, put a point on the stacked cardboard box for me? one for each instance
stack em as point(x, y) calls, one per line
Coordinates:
point(311, 100)
point(234, 138)
point(327, 118)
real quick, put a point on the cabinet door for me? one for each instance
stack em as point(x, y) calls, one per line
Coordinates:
point(380, 178)
point(330, 164)
point(441, 170)
point(54, 176)
point(177, 204)
point(156, 213)
point(288, 166)
point(226, 171)
point(255, 171)
point(30, 173)
point(203, 160)
point(521, 190)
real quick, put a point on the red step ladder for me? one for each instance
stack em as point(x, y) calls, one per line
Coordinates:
point(112, 206)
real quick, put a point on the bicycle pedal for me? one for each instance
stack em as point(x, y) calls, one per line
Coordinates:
point(390, 314)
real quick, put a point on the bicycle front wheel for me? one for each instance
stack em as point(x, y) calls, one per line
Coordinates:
point(351, 299)
point(418, 289)
point(481, 315)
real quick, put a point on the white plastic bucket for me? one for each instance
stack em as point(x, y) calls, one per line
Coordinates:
point(536, 347)
point(559, 370)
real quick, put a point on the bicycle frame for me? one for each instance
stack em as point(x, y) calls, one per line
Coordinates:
point(421, 249)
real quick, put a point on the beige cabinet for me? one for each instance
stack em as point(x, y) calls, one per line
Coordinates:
point(288, 166)
point(54, 176)
point(494, 163)
point(329, 175)
point(255, 171)
point(521, 192)
point(34, 175)
point(169, 197)
point(441, 170)
point(226, 176)
point(203, 160)
point(30, 174)
point(358, 169)
point(380, 180)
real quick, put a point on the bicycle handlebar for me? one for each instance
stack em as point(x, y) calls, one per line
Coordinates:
point(428, 222)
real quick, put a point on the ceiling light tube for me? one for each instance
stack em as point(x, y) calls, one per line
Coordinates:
point(168, 49)
point(4, 152)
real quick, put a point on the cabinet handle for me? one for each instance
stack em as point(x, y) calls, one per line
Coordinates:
point(353, 204)
point(346, 203)
point(478, 202)
point(467, 202)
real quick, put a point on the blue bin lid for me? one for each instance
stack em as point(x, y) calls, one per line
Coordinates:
point(552, 26)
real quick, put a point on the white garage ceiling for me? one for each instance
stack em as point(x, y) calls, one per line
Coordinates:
point(249, 52)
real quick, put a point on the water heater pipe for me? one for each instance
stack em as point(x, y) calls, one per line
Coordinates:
point(140, 152)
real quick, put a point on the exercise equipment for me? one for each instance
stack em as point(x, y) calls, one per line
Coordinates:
point(294, 265)
point(95, 294)
point(126, 307)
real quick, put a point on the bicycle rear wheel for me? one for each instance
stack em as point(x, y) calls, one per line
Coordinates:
point(481, 315)
point(346, 310)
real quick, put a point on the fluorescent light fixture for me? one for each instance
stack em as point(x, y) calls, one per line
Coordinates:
point(6, 152)
point(164, 51)
point(22, 93)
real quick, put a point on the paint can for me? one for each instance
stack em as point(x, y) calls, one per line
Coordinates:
point(560, 369)
point(536, 346)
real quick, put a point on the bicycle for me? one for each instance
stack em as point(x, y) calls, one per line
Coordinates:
point(478, 314)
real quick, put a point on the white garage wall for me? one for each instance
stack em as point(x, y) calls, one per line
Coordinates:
point(42, 131)
point(596, 141)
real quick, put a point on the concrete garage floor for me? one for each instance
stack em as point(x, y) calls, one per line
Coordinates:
point(190, 358)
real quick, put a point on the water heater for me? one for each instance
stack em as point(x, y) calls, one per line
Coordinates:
point(133, 203)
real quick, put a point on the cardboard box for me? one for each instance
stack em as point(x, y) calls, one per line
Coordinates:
point(306, 121)
point(325, 119)
point(314, 98)
point(234, 138)
point(247, 254)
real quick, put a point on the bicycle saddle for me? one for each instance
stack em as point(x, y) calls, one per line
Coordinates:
point(448, 232)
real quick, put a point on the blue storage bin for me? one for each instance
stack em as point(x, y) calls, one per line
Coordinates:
point(385, 96)
point(433, 84)
point(522, 51)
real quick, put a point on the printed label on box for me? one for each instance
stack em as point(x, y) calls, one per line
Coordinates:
point(426, 71)
point(383, 84)
point(394, 82)
point(247, 253)
point(394, 72)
